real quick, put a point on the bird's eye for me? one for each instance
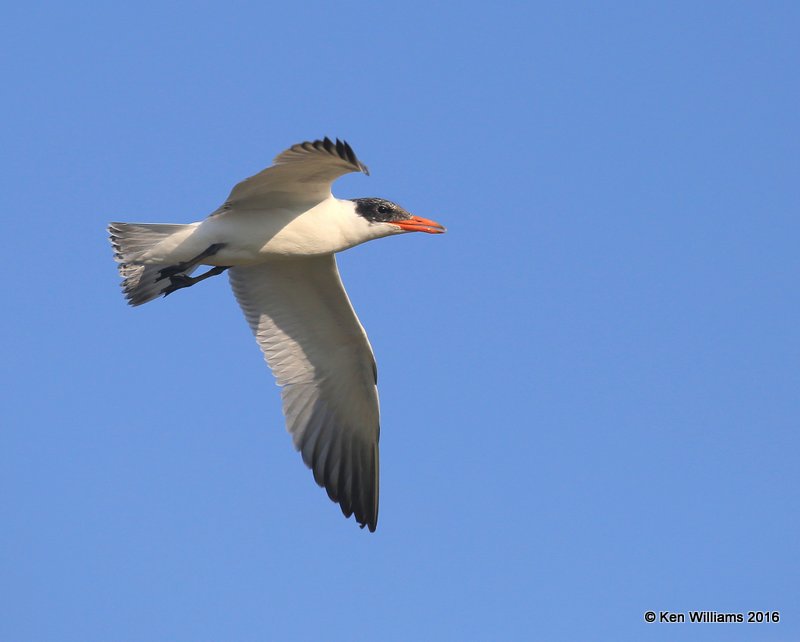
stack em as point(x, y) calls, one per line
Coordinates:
point(383, 209)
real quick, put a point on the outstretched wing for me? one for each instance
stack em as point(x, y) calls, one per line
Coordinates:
point(302, 174)
point(321, 357)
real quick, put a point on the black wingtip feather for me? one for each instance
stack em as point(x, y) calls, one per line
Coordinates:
point(340, 148)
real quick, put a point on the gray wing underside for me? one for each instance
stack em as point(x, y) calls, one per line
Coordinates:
point(303, 174)
point(321, 357)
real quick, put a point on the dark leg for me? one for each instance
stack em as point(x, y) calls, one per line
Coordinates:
point(172, 270)
point(180, 281)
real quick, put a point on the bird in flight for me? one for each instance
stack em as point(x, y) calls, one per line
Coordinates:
point(276, 235)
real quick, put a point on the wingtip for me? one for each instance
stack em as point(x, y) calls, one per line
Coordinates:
point(340, 149)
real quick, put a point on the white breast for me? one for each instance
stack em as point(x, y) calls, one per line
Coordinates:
point(252, 237)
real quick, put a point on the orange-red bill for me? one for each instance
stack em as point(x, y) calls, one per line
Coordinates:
point(419, 224)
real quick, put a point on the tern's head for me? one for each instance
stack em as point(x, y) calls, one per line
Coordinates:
point(379, 211)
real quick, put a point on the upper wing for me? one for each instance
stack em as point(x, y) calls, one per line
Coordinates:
point(321, 358)
point(302, 174)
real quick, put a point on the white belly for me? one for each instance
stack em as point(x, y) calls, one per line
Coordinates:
point(250, 237)
point(253, 237)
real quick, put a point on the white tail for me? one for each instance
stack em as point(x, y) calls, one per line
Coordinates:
point(132, 242)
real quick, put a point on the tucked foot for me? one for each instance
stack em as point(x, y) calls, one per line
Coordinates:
point(173, 270)
point(180, 281)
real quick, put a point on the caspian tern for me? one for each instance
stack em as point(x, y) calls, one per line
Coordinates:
point(277, 234)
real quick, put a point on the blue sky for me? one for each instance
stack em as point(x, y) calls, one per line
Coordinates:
point(589, 386)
